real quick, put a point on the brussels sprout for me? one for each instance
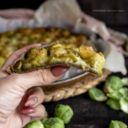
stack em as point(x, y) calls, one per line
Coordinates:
point(46, 114)
point(97, 94)
point(45, 117)
point(64, 112)
point(126, 44)
point(124, 92)
point(125, 81)
point(116, 95)
point(113, 83)
point(53, 122)
point(113, 104)
point(117, 124)
point(124, 105)
point(35, 124)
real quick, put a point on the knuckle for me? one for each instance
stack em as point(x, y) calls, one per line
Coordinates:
point(43, 76)
point(39, 91)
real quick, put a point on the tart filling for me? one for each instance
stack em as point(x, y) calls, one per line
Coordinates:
point(13, 40)
point(79, 56)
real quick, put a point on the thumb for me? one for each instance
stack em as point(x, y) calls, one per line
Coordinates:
point(40, 77)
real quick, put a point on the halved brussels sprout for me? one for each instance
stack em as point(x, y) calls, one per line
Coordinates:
point(117, 124)
point(124, 105)
point(116, 95)
point(113, 104)
point(125, 81)
point(97, 94)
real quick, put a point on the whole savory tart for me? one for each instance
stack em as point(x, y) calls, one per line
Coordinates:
point(62, 48)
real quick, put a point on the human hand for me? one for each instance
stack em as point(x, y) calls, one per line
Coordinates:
point(19, 102)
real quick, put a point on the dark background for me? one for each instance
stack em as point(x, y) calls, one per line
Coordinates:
point(88, 114)
point(113, 12)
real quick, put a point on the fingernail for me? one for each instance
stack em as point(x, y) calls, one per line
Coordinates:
point(59, 70)
point(28, 110)
point(32, 100)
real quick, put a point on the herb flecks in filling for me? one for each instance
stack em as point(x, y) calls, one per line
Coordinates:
point(81, 56)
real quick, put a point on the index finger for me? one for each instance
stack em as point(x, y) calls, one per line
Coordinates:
point(16, 55)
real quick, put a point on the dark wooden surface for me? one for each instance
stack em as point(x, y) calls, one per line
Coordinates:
point(110, 11)
point(87, 113)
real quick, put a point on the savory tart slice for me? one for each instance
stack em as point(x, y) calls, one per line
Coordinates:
point(80, 56)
